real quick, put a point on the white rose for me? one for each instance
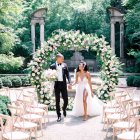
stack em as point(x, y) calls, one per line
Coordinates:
point(36, 70)
point(46, 95)
point(37, 77)
point(42, 96)
point(41, 101)
point(42, 51)
point(41, 92)
point(46, 102)
point(114, 84)
point(107, 72)
point(106, 95)
point(113, 79)
point(102, 92)
point(33, 74)
point(108, 76)
point(105, 87)
point(31, 79)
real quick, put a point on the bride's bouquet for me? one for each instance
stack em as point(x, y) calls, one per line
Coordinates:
point(50, 75)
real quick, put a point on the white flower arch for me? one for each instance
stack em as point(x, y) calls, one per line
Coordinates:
point(65, 40)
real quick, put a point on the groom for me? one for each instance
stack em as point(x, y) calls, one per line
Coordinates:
point(61, 84)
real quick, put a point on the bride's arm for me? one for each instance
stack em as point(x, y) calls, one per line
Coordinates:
point(89, 81)
point(76, 79)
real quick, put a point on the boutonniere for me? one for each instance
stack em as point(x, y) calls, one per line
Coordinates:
point(63, 66)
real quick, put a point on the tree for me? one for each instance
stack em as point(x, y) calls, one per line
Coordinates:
point(9, 12)
point(118, 4)
point(62, 14)
point(88, 16)
point(24, 48)
point(133, 22)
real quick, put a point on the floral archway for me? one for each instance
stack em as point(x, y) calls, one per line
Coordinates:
point(65, 40)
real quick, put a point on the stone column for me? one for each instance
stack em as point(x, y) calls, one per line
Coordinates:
point(33, 34)
point(41, 33)
point(121, 40)
point(113, 37)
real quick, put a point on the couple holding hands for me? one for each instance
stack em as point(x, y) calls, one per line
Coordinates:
point(85, 102)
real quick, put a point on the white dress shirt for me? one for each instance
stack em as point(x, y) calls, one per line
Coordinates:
point(59, 71)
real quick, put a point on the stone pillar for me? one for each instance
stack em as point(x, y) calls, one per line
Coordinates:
point(113, 37)
point(33, 34)
point(121, 40)
point(42, 33)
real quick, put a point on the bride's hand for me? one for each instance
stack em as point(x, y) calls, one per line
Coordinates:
point(69, 86)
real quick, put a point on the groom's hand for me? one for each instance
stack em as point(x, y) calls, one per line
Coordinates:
point(69, 86)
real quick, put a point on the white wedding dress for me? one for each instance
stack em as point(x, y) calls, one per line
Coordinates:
point(94, 105)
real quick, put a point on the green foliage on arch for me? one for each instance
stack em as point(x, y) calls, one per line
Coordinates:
point(65, 40)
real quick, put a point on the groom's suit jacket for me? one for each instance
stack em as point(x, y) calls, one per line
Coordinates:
point(65, 72)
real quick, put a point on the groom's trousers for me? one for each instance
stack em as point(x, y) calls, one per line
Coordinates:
point(60, 88)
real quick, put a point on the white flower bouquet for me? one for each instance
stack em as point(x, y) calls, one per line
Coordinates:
point(50, 75)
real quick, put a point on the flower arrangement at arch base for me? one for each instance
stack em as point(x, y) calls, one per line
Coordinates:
point(64, 40)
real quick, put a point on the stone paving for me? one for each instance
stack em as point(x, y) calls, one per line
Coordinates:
point(74, 128)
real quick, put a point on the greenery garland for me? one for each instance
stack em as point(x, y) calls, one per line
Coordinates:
point(65, 40)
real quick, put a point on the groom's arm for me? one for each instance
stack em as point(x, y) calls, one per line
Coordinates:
point(52, 66)
point(68, 74)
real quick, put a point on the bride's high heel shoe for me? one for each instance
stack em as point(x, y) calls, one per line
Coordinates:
point(85, 118)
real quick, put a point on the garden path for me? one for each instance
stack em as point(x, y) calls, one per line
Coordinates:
point(74, 128)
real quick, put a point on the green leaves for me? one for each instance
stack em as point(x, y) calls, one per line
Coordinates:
point(4, 100)
point(10, 64)
point(136, 55)
point(133, 22)
point(9, 12)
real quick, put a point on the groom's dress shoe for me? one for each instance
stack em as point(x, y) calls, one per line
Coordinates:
point(59, 119)
point(65, 113)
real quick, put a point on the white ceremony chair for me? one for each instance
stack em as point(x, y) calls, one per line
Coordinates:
point(120, 115)
point(7, 132)
point(117, 108)
point(131, 135)
point(21, 124)
point(131, 111)
point(31, 114)
point(30, 96)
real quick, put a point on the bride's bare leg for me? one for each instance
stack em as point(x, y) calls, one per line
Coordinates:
point(85, 94)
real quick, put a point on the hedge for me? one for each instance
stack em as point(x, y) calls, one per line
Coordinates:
point(4, 101)
point(136, 81)
point(130, 80)
point(1, 84)
point(133, 81)
point(25, 80)
point(14, 81)
point(6, 82)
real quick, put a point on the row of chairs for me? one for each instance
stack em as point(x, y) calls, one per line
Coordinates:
point(121, 114)
point(26, 119)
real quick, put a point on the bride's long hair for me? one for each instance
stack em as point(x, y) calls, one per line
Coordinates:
point(84, 65)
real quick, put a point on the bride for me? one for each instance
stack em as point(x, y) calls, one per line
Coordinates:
point(85, 102)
